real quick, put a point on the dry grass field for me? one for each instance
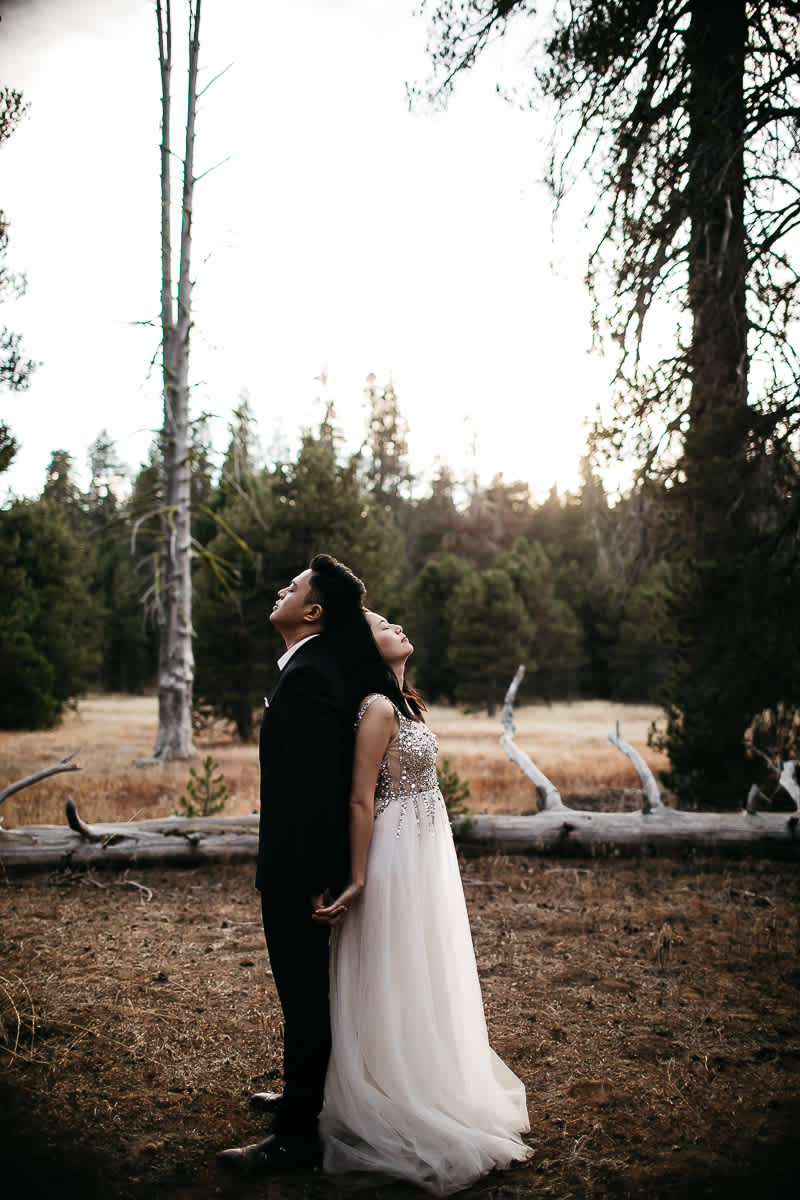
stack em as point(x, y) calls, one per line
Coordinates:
point(650, 1005)
point(567, 741)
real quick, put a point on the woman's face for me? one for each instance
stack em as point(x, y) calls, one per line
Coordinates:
point(392, 643)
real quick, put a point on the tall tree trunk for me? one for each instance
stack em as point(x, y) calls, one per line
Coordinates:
point(175, 656)
point(716, 43)
point(707, 688)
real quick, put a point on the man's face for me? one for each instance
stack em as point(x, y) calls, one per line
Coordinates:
point(292, 603)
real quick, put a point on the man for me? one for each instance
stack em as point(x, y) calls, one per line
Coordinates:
point(306, 755)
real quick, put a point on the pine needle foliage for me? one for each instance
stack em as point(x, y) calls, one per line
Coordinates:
point(454, 789)
point(207, 790)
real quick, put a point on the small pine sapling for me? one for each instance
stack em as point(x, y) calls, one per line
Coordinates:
point(207, 791)
point(454, 789)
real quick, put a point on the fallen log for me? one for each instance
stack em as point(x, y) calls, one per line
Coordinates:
point(195, 841)
point(162, 841)
point(555, 828)
point(577, 831)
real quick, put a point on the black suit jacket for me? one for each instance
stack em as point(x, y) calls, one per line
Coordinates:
point(306, 757)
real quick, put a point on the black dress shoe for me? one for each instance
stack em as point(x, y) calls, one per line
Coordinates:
point(270, 1156)
point(268, 1102)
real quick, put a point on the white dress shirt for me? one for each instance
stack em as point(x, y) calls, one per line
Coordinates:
point(287, 654)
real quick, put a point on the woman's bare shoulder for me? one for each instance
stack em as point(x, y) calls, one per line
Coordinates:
point(376, 709)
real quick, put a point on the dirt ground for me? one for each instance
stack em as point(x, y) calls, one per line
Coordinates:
point(650, 1006)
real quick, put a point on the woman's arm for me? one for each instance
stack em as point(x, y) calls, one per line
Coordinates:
point(374, 734)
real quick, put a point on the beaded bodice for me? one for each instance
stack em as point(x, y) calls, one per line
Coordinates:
point(408, 770)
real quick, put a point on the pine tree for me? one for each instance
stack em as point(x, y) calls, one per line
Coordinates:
point(15, 368)
point(8, 447)
point(556, 637)
point(431, 611)
point(207, 792)
point(490, 637)
point(268, 531)
point(128, 647)
point(387, 473)
point(48, 627)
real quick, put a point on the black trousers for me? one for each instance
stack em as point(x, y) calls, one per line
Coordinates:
point(298, 955)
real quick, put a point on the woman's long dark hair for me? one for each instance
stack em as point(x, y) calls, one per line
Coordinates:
point(366, 671)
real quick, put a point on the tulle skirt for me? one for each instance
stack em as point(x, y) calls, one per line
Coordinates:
point(414, 1091)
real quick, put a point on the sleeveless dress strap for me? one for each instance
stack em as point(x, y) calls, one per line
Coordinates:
point(365, 703)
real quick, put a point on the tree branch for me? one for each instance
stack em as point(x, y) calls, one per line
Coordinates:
point(221, 163)
point(210, 83)
point(547, 795)
point(651, 797)
point(63, 764)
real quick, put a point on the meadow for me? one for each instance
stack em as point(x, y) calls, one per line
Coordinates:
point(110, 732)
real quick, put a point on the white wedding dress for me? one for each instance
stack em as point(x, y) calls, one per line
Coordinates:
point(414, 1091)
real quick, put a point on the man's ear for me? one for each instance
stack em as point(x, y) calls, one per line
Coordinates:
point(312, 613)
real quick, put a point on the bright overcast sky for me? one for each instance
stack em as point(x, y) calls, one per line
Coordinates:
point(345, 234)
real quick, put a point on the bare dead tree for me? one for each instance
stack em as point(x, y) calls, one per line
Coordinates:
point(174, 590)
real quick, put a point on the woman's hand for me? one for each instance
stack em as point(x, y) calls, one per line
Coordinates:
point(334, 913)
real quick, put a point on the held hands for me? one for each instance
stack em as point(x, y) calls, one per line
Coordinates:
point(333, 912)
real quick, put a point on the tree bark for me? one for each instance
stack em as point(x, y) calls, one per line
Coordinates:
point(651, 795)
point(716, 44)
point(63, 764)
point(664, 831)
point(171, 841)
point(175, 655)
point(547, 794)
point(788, 780)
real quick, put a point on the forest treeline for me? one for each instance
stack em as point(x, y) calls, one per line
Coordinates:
point(483, 577)
point(579, 587)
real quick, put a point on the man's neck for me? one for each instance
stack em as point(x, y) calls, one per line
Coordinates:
point(293, 636)
point(290, 650)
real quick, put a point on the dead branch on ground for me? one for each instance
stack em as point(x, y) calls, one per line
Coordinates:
point(547, 794)
point(63, 764)
point(556, 827)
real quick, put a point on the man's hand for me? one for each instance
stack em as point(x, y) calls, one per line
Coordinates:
point(333, 912)
point(321, 900)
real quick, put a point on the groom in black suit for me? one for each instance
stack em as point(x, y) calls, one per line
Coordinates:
point(306, 756)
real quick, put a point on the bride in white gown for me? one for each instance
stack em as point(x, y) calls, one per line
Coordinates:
point(414, 1090)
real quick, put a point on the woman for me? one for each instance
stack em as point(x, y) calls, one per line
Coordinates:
point(413, 1089)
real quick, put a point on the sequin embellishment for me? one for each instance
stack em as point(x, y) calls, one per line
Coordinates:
point(407, 775)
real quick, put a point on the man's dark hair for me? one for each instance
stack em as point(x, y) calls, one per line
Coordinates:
point(337, 590)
